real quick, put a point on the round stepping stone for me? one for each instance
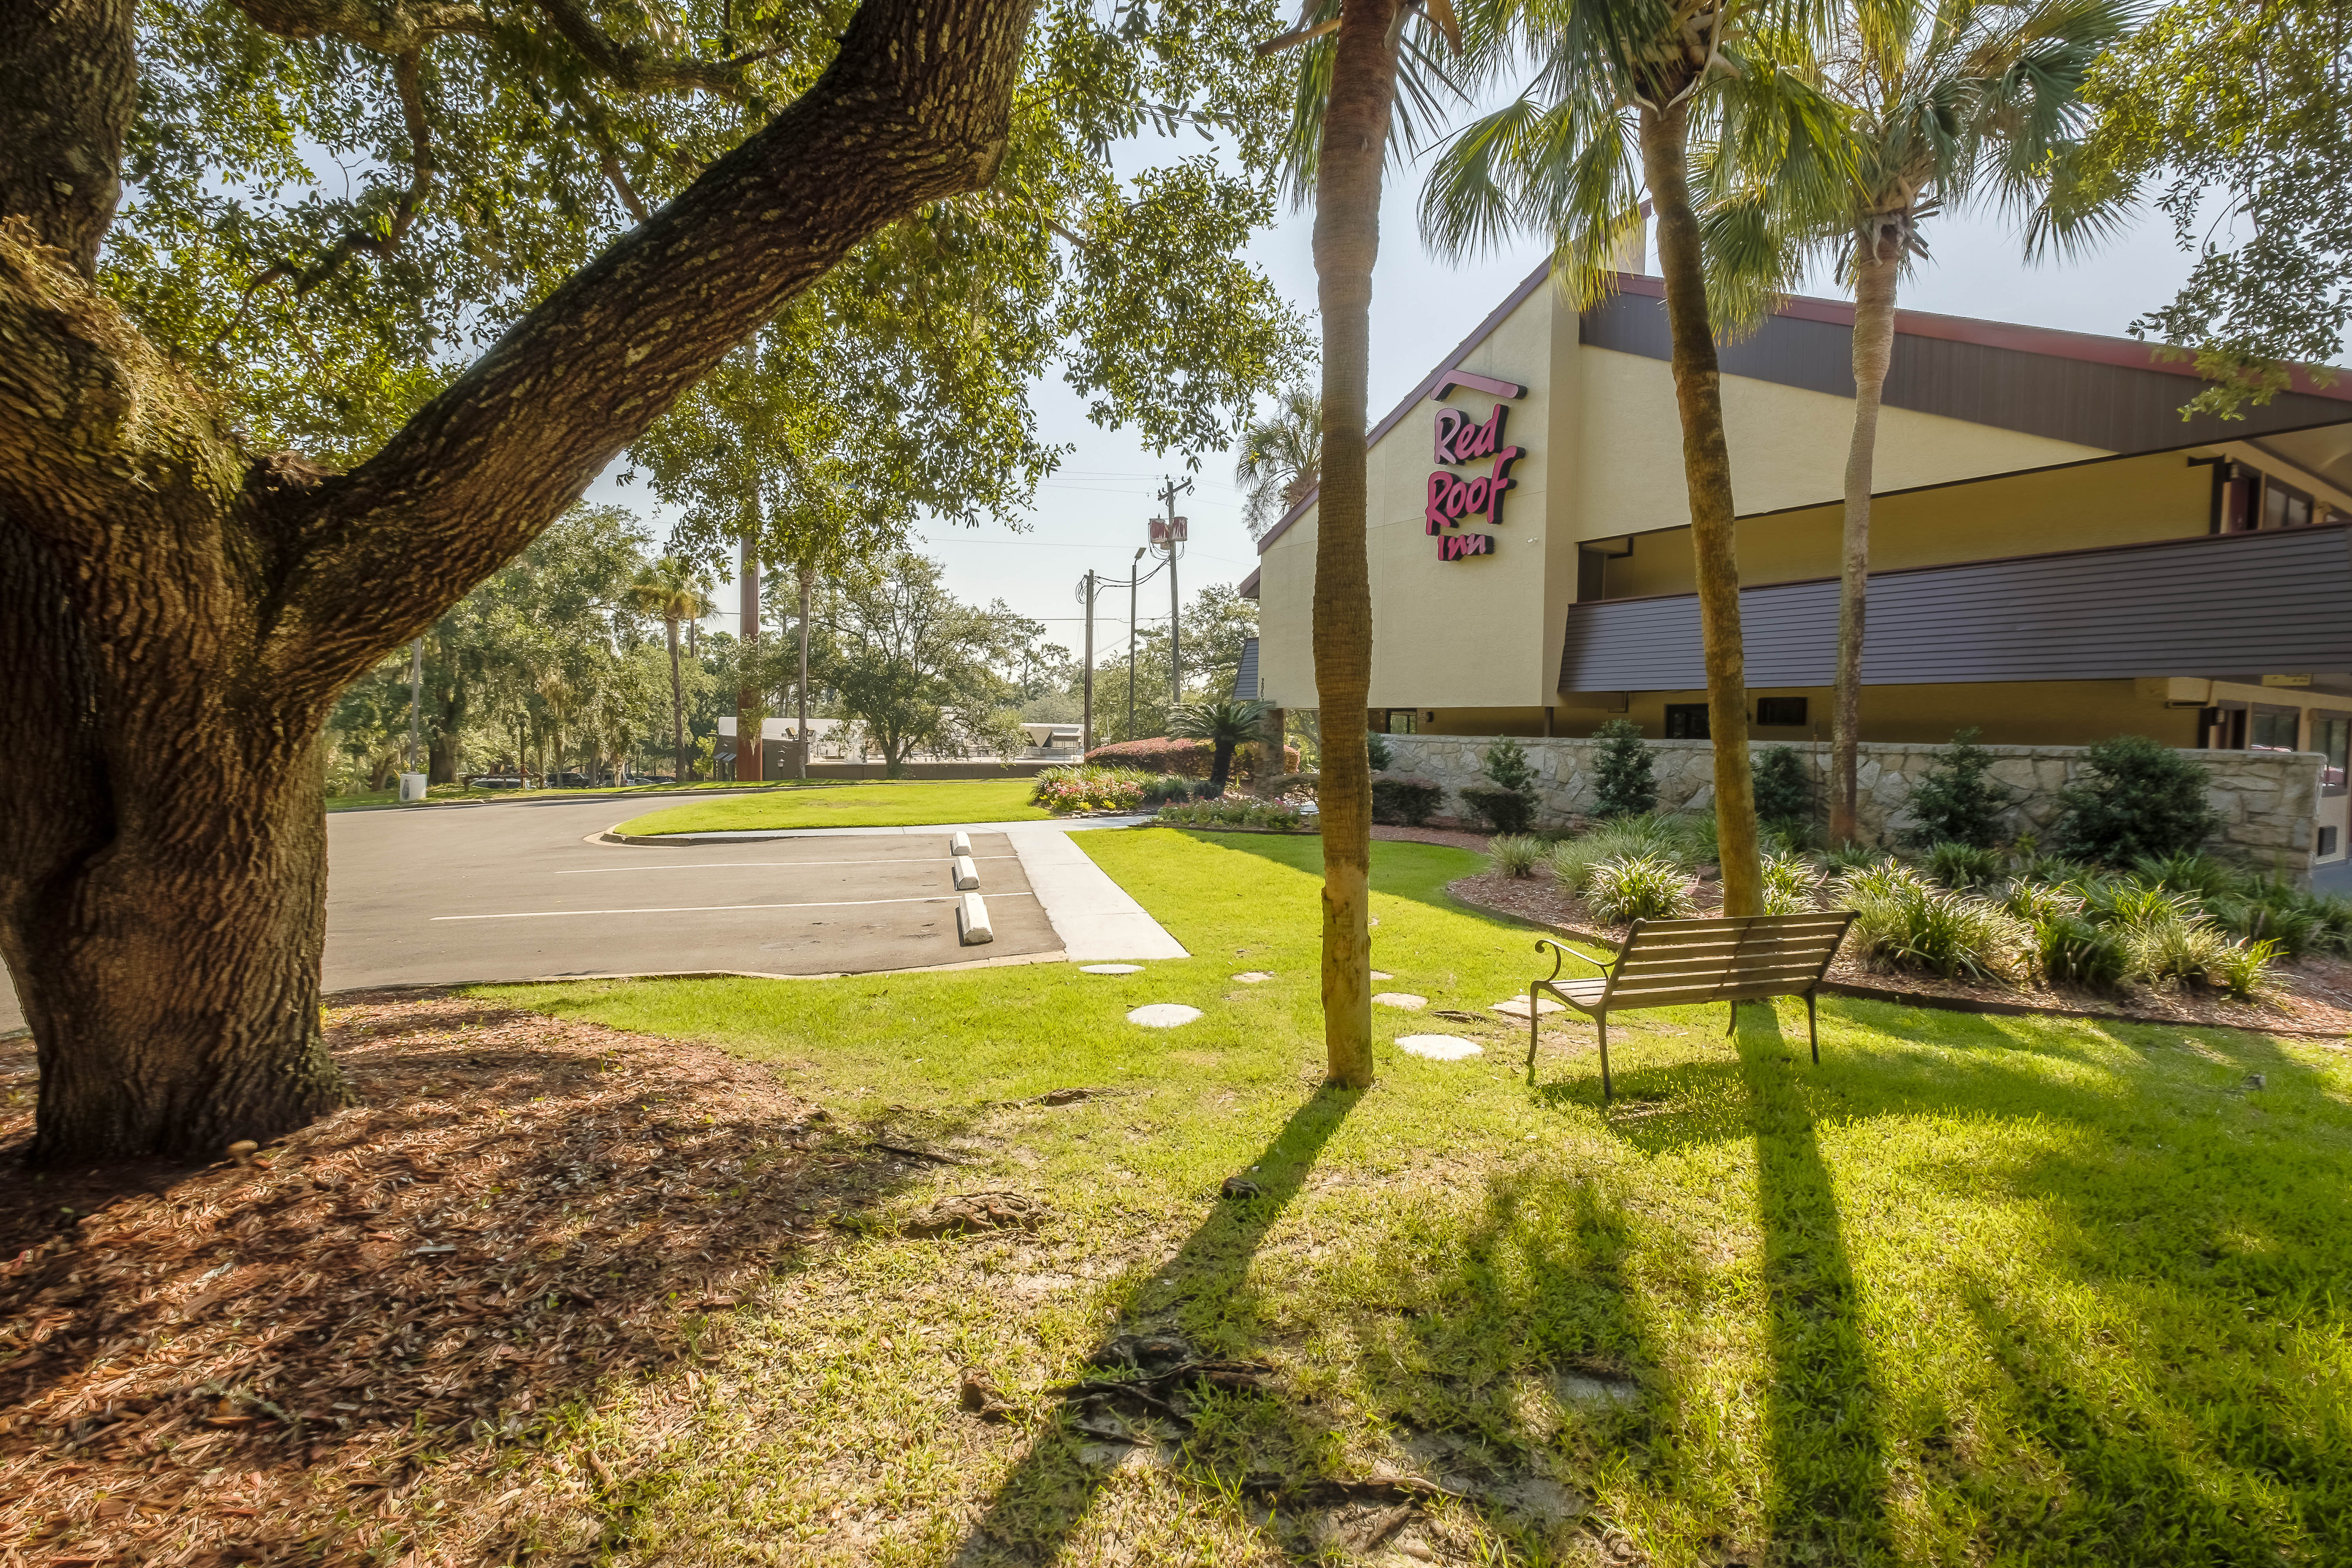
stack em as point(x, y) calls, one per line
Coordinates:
point(1517, 1006)
point(1111, 969)
point(1382, 974)
point(1438, 1047)
point(1404, 999)
point(1163, 1016)
point(1252, 977)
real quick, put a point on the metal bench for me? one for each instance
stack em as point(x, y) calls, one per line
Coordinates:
point(1674, 963)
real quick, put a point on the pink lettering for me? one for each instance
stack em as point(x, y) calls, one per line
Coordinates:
point(1433, 510)
point(1461, 546)
point(1499, 479)
point(1451, 424)
point(1475, 500)
point(1457, 494)
point(1480, 440)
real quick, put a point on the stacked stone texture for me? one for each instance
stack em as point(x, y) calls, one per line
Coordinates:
point(2267, 801)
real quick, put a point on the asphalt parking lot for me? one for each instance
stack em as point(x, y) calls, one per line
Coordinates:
point(516, 890)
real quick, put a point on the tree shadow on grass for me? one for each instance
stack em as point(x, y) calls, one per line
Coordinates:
point(2150, 1377)
point(1199, 1293)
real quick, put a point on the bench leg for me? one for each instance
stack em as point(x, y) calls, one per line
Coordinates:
point(1535, 1022)
point(1734, 1027)
point(1600, 1021)
point(1813, 1027)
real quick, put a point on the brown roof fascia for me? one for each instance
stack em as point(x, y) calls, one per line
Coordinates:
point(2127, 352)
point(2136, 545)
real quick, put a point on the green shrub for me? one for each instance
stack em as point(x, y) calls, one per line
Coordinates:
point(2243, 969)
point(1788, 836)
point(1504, 810)
point(1376, 751)
point(2051, 868)
point(1506, 764)
point(1401, 798)
point(1903, 922)
point(1844, 858)
point(1957, 800)
point(2269, 910)
point(1623, 782)
point(1784, 795)
point(2071, 950)
point(2334, 915)
point(1233, 814)
point(1964, 868)
point(2130, 904)
point(1516, 855)
point(1789, 883)
point(1696, 838)
point(2139, 799)
point(1642, 887)
point(2189, 872)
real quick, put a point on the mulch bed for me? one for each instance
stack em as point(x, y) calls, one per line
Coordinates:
point(263, 1362)
point(2313, 994)
point(1453, 838)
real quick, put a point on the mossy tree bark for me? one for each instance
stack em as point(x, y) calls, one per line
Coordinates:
point(1875, 267)
point(1707, 472)
point(1347, 243)
point(177, 614)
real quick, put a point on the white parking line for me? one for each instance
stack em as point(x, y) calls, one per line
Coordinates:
point(716, 909)
point(731, 865)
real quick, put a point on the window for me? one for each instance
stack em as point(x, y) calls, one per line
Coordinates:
point(1686, 721)
point(2326, 844)
point(1781, 712)
point(2283, 505)
point(1405, 721)
point(2332, 737)
point(2273, 729)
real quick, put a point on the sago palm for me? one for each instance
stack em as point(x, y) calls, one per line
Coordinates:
point(1224, 725)
point(1943, 103)
point(1281, 459)
point(1619, 94)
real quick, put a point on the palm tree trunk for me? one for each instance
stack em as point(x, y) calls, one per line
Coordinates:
point(1873, 347)
point(1347, 243)
point(1707, 472)
point(676, 704)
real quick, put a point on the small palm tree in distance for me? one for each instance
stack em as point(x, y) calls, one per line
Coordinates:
point(1225, 726)
point(1282, 458)
point(670, 591)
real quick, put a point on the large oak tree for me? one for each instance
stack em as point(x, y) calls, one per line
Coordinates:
point(181, 601)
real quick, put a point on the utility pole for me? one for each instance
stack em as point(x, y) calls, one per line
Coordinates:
point(416, 696)
point(807, 577)
point(1171, 534)
point(1086, 734)
point(751, 748)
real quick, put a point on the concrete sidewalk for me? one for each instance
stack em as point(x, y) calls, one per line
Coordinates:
point(1097, 920)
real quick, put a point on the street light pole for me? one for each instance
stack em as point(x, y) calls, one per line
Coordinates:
point(1086, 736)
point(1134, 581)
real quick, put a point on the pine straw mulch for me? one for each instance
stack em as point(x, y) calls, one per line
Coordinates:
point(269, 1363)
point(1453, 838)
point(2312, 995)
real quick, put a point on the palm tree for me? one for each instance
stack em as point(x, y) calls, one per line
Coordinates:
point(560, 695)
point(1942, 99)
point(1224, 725)
point(1282, 458)
point(1346, 107)
point(671, 591)
point(1620, 92)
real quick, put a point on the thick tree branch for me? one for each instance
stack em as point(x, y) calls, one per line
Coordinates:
point(915, 108)
point(381, 27)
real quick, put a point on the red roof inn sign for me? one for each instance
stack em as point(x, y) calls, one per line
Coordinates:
point(1464, 442)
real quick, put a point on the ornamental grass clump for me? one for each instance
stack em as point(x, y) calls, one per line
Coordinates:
point(1791, 883)
point(1903, 921)
point(2071, 950)
point(1642, 887)
point(1965, 867)
point(1515, 854)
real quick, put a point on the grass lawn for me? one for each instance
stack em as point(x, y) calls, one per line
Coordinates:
point(1974, 1290)
point(391, 796)
point(852, 805)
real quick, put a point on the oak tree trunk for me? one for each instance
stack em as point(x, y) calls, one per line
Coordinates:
point(1707, 473)
point(1347, 243)
point(1873, 349)
point(177, 615)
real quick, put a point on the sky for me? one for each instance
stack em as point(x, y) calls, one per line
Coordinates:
point(1093, 511)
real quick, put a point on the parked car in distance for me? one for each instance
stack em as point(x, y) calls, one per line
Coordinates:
point(494, 781)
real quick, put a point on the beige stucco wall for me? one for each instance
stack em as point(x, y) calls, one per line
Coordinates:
point(1605, 459)
point(2128, 500)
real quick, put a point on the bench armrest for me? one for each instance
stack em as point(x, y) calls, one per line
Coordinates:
point(1559, 952)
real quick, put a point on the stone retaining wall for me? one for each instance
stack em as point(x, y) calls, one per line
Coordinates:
point(2268, 801)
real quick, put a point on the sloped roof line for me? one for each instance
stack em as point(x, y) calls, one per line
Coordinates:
point(2128, 353)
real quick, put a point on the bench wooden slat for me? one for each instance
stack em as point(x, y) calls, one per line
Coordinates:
point(1813, 950)
point(1796, 977)
point(1673, 930)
